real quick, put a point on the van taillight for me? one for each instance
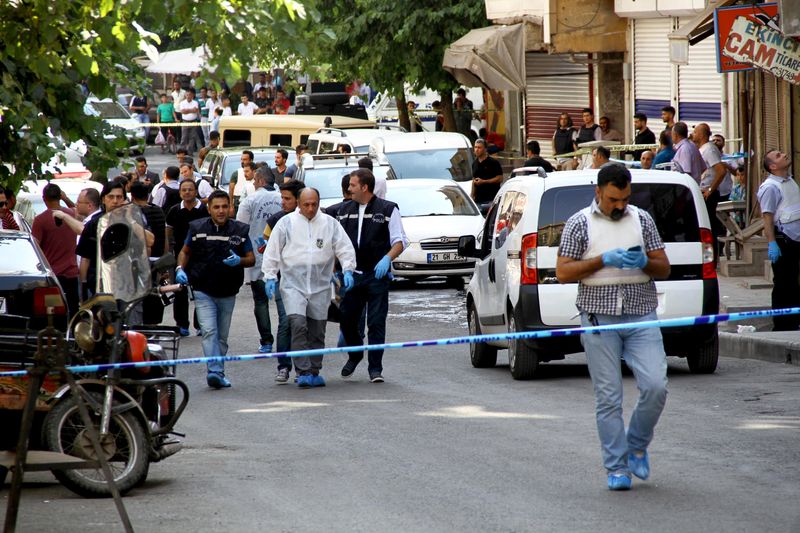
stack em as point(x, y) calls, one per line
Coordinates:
point(528, 260)
point(709, 266)
point(48, 297)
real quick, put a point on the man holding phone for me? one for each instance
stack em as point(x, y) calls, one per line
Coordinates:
point(614, 251)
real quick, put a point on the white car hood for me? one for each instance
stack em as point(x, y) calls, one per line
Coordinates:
point(419, 228)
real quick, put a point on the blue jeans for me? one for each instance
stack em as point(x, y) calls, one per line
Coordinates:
point(284, 331)
point(643, 351)
point(261, 312)
point(214, 314)
point(366, 292)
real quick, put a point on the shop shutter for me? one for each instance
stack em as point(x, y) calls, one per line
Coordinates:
point(554, 85)
point(700, 86)
point(651, 68)
point(771, 122)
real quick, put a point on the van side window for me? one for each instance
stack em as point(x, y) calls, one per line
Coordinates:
point(235, 138)
point(517, 210)
point(304, 139)
point(277, 139)
point(488, 230)
point(325, 147)
point(313, 145)
point(502, 227)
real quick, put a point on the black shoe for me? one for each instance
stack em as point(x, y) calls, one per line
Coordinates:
point(348, 369)
point(375, 377)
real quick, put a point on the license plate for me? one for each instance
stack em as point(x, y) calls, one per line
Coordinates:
point(446, 257)
point(3, 306)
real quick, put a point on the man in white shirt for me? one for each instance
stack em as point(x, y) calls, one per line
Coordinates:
point(246, 108)
point(190, 112)
point(716, 181)
point(178, 95)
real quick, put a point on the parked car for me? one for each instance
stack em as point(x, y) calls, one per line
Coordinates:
point(28, 286)
point(514, 285)
point(219, 164)
point(324, 172)
point(328, 140)
point(435, 213)
point(72, 187)
point(438, 155)
point(119, 118)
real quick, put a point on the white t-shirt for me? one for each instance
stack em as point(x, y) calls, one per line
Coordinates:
point(246, 110)
point(186, 106)
point(712, 156)
point(227, 111)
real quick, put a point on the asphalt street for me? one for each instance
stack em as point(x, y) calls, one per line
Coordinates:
point(444, 447)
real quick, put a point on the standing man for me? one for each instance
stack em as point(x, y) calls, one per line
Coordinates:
point(214, 256)
point(304, 247)
point(643, 134)
point(213, 143)
point(254, 211)
point(487, 175)
point(646, 160)
point(535, 159)
point(140, 108)
point(178, 219)
point(600, 157)
point(779, 198)
point(178, 95)
point(716, 181)
point(665, 150)
point(88, 204)
point(246, 107)
point(166, 194)
point(668, 117)
point(614, 251)
point(7, 219)
point(237, 179)
point(154, 217)
point(376, 233)
point(607, 133)
point(192, 134)
point(280, 166)
point(589, 131)
point(141, 173)
point(57, 241)
point(687, 158)
point(263, 102)
point(299, 150)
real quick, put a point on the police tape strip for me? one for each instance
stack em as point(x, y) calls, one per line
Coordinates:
point(665, 323)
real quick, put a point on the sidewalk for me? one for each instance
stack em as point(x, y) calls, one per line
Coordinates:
point(763, 344)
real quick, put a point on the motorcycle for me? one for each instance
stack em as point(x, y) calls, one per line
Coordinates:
point(134, 410)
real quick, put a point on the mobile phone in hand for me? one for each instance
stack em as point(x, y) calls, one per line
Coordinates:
point(636, 248)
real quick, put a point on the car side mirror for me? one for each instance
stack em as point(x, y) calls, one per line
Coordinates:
point(164, 263)
point(466, 246)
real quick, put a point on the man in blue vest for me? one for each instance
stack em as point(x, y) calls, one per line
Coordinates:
point(376, 231)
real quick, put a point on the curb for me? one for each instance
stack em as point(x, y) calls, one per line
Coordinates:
point(772, 347)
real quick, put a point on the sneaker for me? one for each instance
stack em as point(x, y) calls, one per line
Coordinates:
point(317, 381)
point(619, 481)
point(198, 332)
point(375, 377)
point(282, 376)
point(305, 381)
point(184, 332)
point(348, 369)
point(639, 463)
point(217, 380)
point(265, 348)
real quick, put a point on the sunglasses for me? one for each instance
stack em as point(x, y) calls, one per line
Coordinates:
point(3, 204)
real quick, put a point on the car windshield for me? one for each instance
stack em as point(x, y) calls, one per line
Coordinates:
point(234, 162)
point(19, 257)
point(446, 200)
point(109, 110)
point(328, 181)
point(447, 163)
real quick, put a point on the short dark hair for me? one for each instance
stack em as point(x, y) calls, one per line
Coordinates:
point(681, 129)
point(461, 92)
point(213, 135)
point(92, 196)
point(665, 138)
point(603, 151)
point(533, 147)
point(293, 186)
point(191, 90)
point(251, 166)
point(218, 194)
point(365, 177)
point(139, 190)
point(283, 153)
point(587, 110)
point(192, 182)
point(346, 148)
point(365, 162)
point(172, 172)
point(250, 153)
point(668, 109)
point(51, 192)
point(767, 161)
point(300, 147)
point(181, 150)
point(640, 116)
point(615, 174)
point(188, 161)
point(141, 159)
point(218, 111)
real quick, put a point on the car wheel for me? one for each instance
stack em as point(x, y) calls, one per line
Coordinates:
point(481, 355)
point(522, 360)
point(703, 358)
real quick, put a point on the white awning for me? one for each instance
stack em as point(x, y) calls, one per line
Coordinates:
point(699, 28)
point(492, 57)
point(184, 61)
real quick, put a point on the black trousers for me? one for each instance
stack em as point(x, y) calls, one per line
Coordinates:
point(70, 286)
point(717, 227)
point(180, 310)
point(786, 283)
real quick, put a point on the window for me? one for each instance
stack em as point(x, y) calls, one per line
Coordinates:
point(487, 232)
point(280, 139)
point(444, 201)
point(235, 138)
point(19, 258)
point(304, 140)
point(312, 146)
point(502, 227)
point(325, 148)
point(670, 205)
point(449, 163)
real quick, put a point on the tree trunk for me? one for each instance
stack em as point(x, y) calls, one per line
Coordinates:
point(402, 113)
point(447, 111)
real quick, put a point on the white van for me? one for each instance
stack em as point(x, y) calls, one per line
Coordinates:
point(383, 108)
point(328, 140)
point(514, 285)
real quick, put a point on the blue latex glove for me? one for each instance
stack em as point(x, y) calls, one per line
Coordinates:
point(232, 260)
point(634, 259)
point(773, 251)
point(181, 277)
point(383, 266)
point(261, 241)
point(614, 258)
point(348, 280)
point(269, 287)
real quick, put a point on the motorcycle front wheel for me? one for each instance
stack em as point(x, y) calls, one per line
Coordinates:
point(124, 447)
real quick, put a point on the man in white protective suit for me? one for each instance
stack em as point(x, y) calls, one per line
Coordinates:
point(303, 246)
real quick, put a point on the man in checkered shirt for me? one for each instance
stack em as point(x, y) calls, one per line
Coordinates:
point(614, 251)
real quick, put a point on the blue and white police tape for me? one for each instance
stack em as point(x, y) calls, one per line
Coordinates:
point(539, 334)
